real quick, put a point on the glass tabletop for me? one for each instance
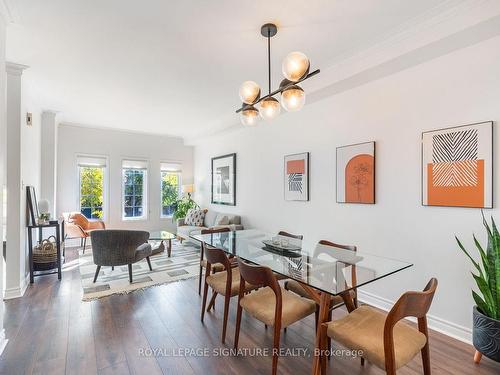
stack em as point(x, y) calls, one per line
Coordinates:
point(330, 269)
point(159, 235)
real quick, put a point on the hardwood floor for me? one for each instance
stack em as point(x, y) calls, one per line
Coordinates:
point(51, 331)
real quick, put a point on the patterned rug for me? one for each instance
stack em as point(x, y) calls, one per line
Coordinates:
point(183, 264)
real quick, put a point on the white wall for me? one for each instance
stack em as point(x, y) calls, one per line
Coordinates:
point(116, 146)
point(458, 88)
point(3, 143)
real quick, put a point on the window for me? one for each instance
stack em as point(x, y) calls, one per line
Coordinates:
point(134, 189)
point(170, 187)
point(91, 171)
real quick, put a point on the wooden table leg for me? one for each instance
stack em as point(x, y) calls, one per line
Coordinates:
point(477, 357)
point(169, 248)
point(30, 253)
point(324, 306)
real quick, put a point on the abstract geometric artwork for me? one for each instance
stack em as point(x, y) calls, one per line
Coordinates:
point(457, 166)
point(356, 173)
point(297, 177)
point(224, 180)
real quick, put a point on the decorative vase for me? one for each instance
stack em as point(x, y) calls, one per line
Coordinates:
point(486, 335)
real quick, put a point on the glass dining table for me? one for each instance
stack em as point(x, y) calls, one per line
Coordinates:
point(322, 269)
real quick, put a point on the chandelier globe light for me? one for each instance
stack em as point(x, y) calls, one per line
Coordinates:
point(249, 116)
point(295, 68)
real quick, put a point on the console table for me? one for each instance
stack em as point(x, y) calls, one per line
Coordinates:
point(57, 226)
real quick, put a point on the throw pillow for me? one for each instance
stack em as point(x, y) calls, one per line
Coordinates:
point(195, 217)
point(222, 220)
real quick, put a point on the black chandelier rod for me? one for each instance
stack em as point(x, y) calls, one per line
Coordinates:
point(269, 58)
point(283, 88)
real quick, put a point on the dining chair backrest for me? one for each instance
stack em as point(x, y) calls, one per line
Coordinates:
point(332, 244)
point(413, 304)
point(258, 275)
point(214, 255)
point(286, 234)
point(210, 231)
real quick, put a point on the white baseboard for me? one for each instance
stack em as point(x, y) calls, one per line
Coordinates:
point(443, 326)
point(3, 341)
point(16, 292)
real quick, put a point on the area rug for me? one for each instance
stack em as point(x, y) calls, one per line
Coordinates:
point(183, 264)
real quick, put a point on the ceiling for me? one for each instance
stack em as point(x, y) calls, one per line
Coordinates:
point(174, 67)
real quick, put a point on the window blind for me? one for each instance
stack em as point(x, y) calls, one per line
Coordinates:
point(135, 164)
point(171, 167)
point(91, 161)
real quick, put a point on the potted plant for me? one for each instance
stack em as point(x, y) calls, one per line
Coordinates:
point(486, 313)
point(181, 207)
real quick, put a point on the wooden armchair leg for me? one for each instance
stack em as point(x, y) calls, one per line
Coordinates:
point(477, 357)
point(227, 299)
point(199, 280)
point(211, 304)
point(204, 302)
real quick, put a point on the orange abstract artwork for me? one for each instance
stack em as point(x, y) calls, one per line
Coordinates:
point(467, 191)
point(359, 179)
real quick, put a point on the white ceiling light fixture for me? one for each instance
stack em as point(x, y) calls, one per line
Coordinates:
point(295, 68)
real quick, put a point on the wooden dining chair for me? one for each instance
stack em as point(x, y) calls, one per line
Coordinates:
point(271, 304)
point(382, 338)
point(336, 301)
point(225, 283)
point(286, 234)
point(203, 262)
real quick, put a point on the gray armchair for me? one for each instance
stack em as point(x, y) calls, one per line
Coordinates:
point(119, 247)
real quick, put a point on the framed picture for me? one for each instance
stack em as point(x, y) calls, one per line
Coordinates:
point(457, 166)
point(31, 206)
point(356, 173)
point(224, 180)
point(296, 179)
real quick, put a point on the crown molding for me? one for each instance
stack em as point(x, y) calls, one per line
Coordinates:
point(449, 26)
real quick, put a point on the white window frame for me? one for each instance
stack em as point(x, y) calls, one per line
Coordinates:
point(105, 182)
point(179, 174)
point(145, 190)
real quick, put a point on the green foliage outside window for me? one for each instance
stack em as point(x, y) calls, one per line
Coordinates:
point(169, 192)
point(91, 192)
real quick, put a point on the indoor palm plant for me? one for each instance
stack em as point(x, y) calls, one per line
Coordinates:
point(486, 313)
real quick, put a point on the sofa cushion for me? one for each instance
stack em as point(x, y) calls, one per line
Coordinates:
point(185, 231)
point(195, 217)
point(221, 219)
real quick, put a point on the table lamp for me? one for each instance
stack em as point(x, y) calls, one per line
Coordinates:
point(188, 189)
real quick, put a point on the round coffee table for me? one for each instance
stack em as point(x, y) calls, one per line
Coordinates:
point(163, 236)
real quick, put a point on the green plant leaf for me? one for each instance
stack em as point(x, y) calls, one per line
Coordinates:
point(482, 284)
point(484, 259)
point(476, 264)
point(493, 260)
point(481, 304)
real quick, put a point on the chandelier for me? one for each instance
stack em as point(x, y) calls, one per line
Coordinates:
point(295, 68)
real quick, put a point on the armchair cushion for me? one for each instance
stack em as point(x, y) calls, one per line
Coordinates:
point(143, 251)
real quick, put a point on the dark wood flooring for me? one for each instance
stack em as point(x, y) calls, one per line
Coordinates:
point(51, 331)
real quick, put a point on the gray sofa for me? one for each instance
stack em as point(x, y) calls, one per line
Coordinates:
point(213, 219)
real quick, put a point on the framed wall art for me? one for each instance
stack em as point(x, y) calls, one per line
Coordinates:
point(296, 177)
point(356, 173)
point(457, 166)
point(224, 180)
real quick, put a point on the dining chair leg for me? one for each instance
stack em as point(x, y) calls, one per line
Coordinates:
point(130, 273)
point(97, 273)
point(276, 345)
point(149, 263)
point(199, 280)
point(362, 361)
point(238, 323)
point(211, 304)
point(204, 303)
point(227, 299)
